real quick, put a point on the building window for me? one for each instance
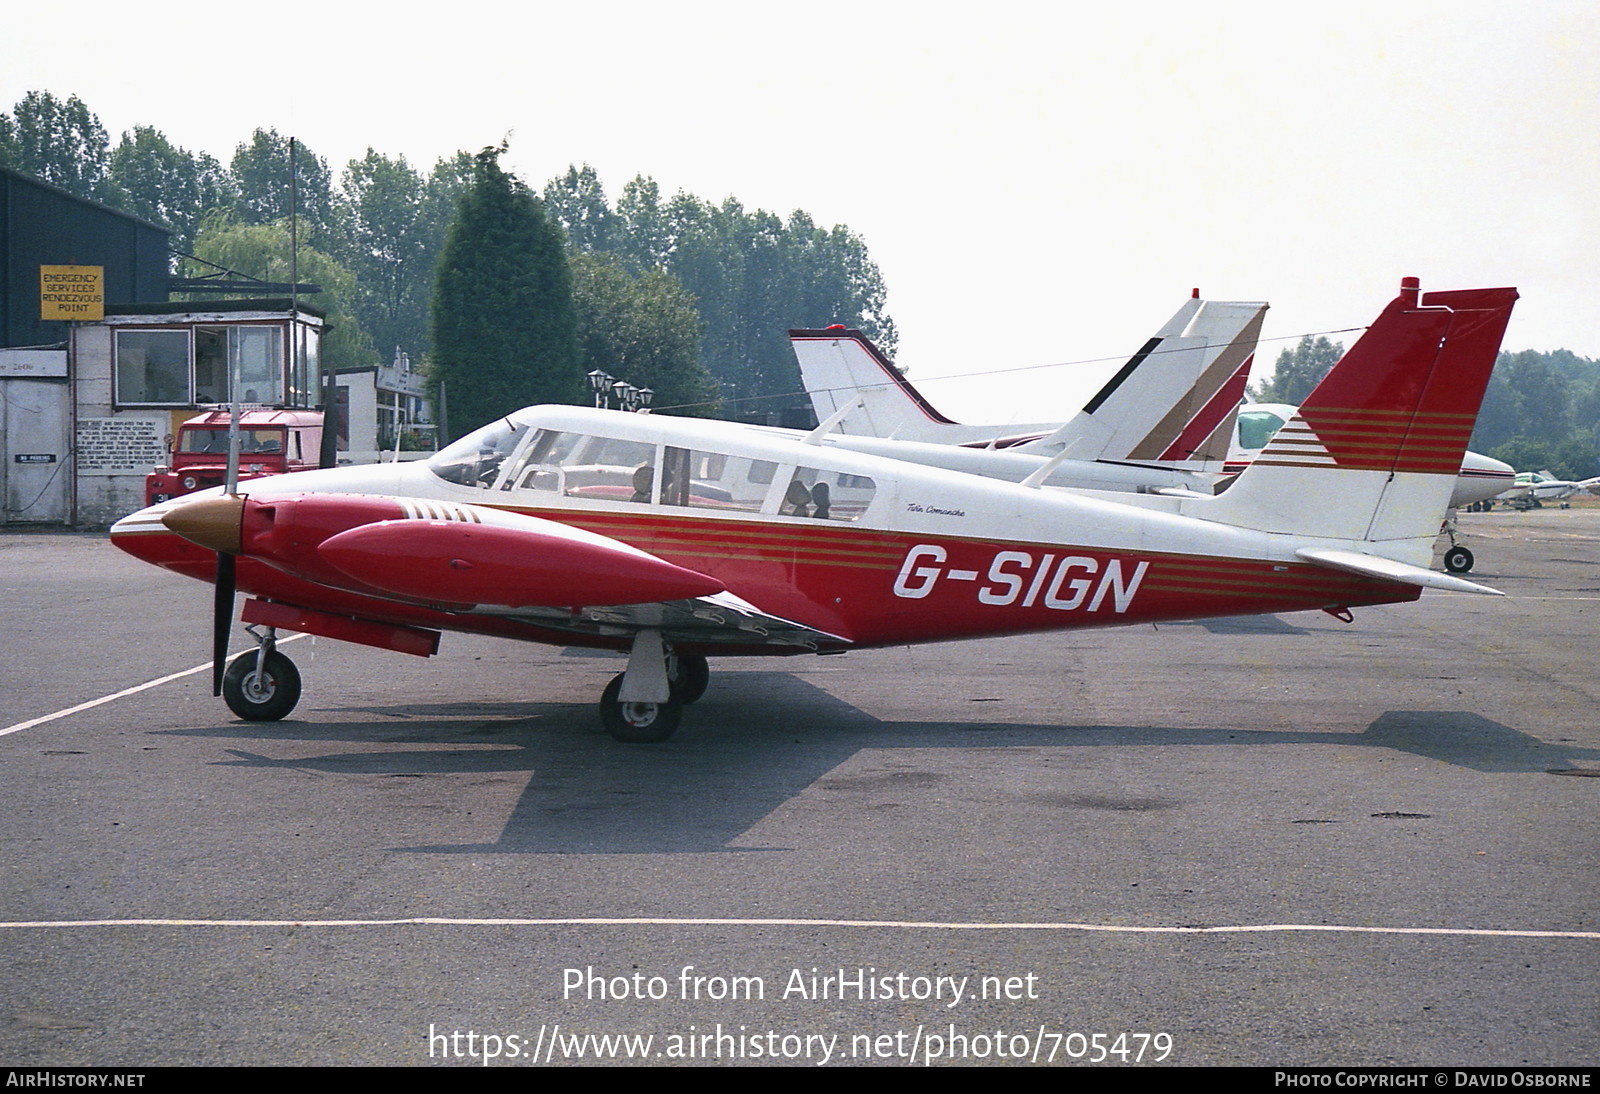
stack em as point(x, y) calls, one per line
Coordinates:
point(259, 352)
point(194, 366)
point(153, 368)
point(306, 374)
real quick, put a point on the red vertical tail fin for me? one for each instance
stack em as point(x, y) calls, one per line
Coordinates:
point(1375, 449)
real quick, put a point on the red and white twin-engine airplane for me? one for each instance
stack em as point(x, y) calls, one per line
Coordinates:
point(678, 539)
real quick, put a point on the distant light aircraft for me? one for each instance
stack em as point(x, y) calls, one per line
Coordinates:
point(679, 539)
point(1531, 489)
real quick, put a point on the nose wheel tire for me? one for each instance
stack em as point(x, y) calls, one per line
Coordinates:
point(1458, 560)
point(263, 696)
point(638, 723)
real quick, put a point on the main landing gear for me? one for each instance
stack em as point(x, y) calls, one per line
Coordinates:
point(264, 685)
point(644, 704)
point(640, 706)
point(1457, 559)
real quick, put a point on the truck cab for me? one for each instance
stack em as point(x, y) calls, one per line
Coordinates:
point(271, 442)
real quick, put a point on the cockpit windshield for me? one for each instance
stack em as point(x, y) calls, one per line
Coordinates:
point(475, 459)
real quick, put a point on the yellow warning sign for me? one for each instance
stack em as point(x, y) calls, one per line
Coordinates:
point(72, 292)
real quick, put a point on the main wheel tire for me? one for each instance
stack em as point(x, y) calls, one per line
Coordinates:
point(1458, 560)
point(265, 696)
point(637, 723)
point(691, 679)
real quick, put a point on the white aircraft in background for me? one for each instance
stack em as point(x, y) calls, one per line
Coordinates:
point(1169, 421)
point(1163, 422)
point(1167, 403)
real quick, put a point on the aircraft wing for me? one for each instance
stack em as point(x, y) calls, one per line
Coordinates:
point(721, 619)
point(478, 560)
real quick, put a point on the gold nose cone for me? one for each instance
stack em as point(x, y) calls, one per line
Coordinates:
point(210, 522)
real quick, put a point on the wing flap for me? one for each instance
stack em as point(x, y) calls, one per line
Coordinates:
point(721, 619)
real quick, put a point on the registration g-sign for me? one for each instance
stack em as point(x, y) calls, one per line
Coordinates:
point(72, 292)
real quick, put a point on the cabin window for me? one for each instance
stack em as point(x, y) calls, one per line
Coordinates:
point(826, 495)
point(714, 480)
point(610, 468)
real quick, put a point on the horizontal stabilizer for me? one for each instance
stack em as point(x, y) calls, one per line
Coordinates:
point(1388, 569)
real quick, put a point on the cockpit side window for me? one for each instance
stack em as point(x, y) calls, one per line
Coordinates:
point(538, 466)
point(581, 465)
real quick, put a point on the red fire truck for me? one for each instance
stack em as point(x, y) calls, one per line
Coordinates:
point(271, 442)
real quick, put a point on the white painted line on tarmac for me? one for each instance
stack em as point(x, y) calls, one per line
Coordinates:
point(20, 726)
point(917, 925)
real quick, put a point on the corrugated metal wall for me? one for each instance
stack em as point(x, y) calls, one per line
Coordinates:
point(41, 225)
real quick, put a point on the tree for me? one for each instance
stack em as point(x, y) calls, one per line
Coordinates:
point(1542, 410)
point(152, 178)
point(1543, 394)
point(644, 237)
point(577, 202)
point(385, 247)
point(504, 331)
point(753, 276)
point(59, 141)
point(1299, 370)
point(262, 251)
point(267, 188)
point(756, 276)
point(642, 328)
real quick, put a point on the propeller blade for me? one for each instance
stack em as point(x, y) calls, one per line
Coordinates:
point(221, 619)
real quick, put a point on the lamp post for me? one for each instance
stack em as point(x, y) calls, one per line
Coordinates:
point(610, 391)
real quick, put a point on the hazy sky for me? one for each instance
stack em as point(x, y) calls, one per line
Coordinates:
point(1037, 185)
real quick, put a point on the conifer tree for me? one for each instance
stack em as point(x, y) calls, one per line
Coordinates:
point(504, 333)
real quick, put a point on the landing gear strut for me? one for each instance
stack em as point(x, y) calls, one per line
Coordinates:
point(262, 686)
point(644, 704)
point(1457, 559)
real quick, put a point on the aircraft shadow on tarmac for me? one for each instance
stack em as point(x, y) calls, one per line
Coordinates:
point(736, 761)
